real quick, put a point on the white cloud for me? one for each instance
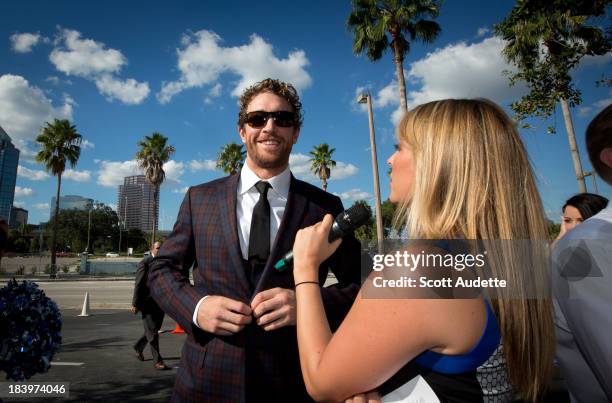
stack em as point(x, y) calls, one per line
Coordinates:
point(77, 176)
point(595, 107)
point(206, 165)
point(112, 173)
point(23, 192)
point(41, 206)
point(113, 206)
point(87, 145)
point(24, 109)
point(182, 190)
point(53, 80)
point(602, 103)
point(92, 60)
point(300, 167)
point(354, 195)
point(584, 111)
point(343, 170)
point(32, 174)
point(482, 31)
point(23, 43)
point(214, 92)
point(129, 91)
point(85, 57)
point(19, 204)
point(388, 95)
point(459, 70)
point(462, 70)
point(174, 170)
point(202, 60)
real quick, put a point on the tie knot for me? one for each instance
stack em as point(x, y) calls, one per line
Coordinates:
point(262, 187)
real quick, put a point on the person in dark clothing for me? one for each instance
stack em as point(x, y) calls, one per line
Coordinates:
point(152, 315)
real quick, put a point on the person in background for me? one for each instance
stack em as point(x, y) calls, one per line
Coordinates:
point(462, 349)
point(582, 285)
point(579, 208)
point(152, 315)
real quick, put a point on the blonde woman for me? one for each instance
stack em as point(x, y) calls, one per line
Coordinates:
point(460, 171)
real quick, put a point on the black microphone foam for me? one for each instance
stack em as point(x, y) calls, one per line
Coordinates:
point(344, 223)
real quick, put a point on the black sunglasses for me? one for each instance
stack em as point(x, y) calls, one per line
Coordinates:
point(259, 119)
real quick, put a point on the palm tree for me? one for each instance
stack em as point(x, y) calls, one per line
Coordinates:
point(545, 39)
point(60, 144)
point(366, 232)
point(151, 157)
point(371, 20)
point(231, 158)
point(321, 162)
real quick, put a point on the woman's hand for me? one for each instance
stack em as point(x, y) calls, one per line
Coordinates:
point(562, 231)
point(311, 248)
point(368, 397)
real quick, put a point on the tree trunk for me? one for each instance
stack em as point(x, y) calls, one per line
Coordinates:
point(155, 197)
point(398, 59)
point(323, 175)
point(571, 136)
point(55, 220)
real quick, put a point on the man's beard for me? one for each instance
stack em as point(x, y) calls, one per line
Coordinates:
point(267, 160)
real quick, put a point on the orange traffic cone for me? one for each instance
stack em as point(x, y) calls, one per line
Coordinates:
point(177, 330)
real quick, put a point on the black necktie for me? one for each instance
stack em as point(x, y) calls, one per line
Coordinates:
point(259, 238)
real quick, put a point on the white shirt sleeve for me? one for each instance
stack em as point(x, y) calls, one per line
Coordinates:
point(195, 312)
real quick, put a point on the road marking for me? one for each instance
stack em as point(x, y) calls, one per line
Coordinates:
point(66, 363)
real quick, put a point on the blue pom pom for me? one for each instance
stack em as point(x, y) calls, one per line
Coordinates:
point(30, 330)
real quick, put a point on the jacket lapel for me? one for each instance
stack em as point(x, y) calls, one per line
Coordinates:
point(227, 207)
point(290, 224)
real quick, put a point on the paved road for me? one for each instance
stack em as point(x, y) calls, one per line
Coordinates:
point(102, 293)
point(111, 294)
point(98, 361)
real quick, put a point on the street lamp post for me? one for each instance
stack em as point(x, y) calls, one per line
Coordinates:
point(594, 181)
point(88, 229)
point(120, 233)
point(367, 99)
point(127, 239)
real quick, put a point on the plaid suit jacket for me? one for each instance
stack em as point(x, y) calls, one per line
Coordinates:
point(205, 236)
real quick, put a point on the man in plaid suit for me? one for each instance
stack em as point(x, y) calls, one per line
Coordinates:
point(240, 312)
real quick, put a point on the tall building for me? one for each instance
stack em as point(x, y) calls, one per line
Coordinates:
point(70, 202)
point(135, 203)
point(9, 158)
point(19, 217)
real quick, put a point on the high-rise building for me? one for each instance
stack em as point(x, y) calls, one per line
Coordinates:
point(70, 202)
point(19, 217)
point(135, 203)
point(9, 158)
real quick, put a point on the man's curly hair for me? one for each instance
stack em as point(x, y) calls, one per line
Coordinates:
point(276, 87)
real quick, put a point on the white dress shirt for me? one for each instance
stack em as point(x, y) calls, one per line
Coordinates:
point(246, 199)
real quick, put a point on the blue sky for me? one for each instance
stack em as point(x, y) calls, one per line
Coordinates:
point(122, 70)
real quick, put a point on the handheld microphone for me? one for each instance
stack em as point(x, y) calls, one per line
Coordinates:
point(346, 222)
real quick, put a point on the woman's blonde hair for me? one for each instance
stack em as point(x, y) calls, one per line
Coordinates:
point(474, 181)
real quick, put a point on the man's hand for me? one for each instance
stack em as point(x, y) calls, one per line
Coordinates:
point(274, 308)
point(223, 316)
point(134, 310)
